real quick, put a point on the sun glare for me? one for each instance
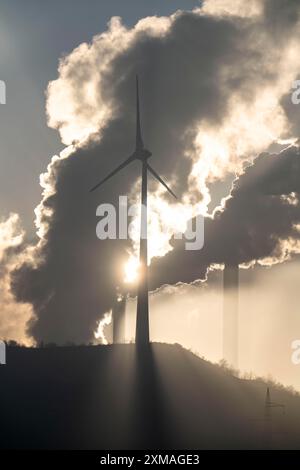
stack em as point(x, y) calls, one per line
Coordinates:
point(131, 269)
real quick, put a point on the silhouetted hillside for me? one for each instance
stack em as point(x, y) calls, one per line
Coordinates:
point(110, 397)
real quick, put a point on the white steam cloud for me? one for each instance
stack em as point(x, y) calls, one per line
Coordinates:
point(213, 81)
point(13, 316)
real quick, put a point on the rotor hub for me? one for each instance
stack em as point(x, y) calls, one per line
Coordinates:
point(143, 154)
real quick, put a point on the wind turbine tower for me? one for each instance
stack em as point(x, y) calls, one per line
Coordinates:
point(142, 154)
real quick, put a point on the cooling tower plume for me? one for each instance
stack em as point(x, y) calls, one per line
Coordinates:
point(118, 317)
point(230, 314)
point(207, 129)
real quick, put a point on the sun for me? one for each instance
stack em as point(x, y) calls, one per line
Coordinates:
point(131, 269)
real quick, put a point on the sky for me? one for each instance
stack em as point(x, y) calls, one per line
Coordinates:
point(220, 80)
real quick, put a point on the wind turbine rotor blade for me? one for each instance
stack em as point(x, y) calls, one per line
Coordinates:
point(139, 140)
point(120, 167)
point(160, 180)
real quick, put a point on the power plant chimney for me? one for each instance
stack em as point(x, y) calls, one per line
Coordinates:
point(230, 313)
point(118, 318)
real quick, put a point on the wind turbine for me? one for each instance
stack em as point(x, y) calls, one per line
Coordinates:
point(142, 154)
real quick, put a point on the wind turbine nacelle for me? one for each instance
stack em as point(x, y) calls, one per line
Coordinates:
point(143, 154)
